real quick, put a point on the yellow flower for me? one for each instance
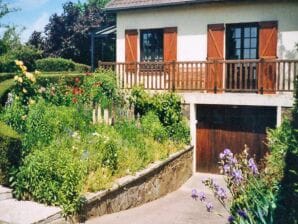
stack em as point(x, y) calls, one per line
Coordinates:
point(30, 76)
point(19, 63)
point(24, 117)
point(16, 78)
point(20, 79)
point(37, 72)
point(23, 68)
point(25, 90)
point(31, 102)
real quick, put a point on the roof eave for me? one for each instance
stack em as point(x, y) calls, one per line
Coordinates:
point(117, 9)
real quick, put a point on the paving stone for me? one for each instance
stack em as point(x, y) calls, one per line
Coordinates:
point(27, 212)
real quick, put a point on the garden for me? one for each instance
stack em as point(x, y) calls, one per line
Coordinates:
point(51, 150)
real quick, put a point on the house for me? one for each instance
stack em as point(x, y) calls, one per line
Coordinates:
point(232, 61)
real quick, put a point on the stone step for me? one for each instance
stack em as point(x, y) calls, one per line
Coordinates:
point(5, 193)
point(28, 212)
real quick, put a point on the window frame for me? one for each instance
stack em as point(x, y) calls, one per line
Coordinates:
point(242, 26)
point(161, 32)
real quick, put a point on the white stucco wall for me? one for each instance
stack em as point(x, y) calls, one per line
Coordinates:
point(192, 24)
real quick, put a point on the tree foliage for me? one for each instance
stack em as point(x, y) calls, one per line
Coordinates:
point(67, 35)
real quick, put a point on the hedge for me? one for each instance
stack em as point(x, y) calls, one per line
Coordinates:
point(4, 89)
point(54, 65)
point(5, 76)
point(7, 64)
point(10, 152)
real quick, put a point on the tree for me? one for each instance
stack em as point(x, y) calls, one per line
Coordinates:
point(67, 35)
point(36, 40)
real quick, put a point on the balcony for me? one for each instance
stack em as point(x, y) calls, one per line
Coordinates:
point(241, 76)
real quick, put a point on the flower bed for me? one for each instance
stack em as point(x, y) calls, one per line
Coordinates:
point(64, 155)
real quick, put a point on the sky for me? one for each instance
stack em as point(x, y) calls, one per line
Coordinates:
point(32, 14)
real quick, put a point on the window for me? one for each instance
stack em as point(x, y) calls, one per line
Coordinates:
point(242, 41)
point(152, 45)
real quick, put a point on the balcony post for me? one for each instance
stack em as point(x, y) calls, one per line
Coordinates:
point(215, 75)
point(174, 71)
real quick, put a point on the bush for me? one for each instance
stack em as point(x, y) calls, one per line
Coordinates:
point(100, 88)
point(6, 76)
point(5, 87)
point(53, 175)
point(141, 100)
point(82, 68)
point(28, 55)
point(55, 65)
point(7, 64)
point(14, 115)
point(45, 122)
point(152, 127)
point(10, 152)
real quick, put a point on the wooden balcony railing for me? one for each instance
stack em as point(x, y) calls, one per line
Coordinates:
point(258, 76)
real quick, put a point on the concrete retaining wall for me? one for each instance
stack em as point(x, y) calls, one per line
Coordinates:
point(150, 184)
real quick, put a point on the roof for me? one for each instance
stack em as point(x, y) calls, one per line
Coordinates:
point(119, 5)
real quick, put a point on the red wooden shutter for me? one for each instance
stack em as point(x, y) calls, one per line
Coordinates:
point(267, 50)
point(215, 52)
point(170, 44)
point(131, 48)
point(170, 55)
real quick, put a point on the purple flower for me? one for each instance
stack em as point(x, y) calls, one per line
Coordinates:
point(231, 219)
point(221, 193)
point(209, 207)
point(202, 196)
point(233, 161)
point(242, 214)
point(253, 167)
point(237, 176)
point(215, 186)
point(221, 156)
point(228, 153)
point(194, 194)
point(226, 168)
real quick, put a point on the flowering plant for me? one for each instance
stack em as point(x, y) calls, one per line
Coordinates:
point(25, 85)
point(242, 178)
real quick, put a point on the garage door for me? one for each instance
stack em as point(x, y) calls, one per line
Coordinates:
point(232, 127)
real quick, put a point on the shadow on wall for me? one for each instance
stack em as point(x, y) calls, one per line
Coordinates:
point(285, 53)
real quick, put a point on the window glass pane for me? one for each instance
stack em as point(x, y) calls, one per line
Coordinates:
point(253, 43)
point(246, 43)
point(254, 32)
point(238, 43)
point(253, 54)
point(238, 54)
point(246, 54)
point(247, 32)
point(237, 32)
point(152, 45)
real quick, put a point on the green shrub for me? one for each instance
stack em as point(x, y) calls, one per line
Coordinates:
point(28, 55)
point(141, 100)
point(6, 76)
point(10, 152)
point(55, 65)
point(7, 64)
point(5, 87)
point(101, 88)
point(153, 127)
point(82, 68)
point(53, 175)
point(179, 132)
point(14, 115)
point(45, 122)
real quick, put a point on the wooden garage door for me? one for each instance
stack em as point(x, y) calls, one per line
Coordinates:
point(221, 127)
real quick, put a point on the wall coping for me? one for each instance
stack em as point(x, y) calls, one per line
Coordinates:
point(123, 182)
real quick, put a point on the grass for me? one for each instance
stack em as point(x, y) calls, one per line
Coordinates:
point(5, 130)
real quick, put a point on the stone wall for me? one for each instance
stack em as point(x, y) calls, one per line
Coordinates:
point(150, 184)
